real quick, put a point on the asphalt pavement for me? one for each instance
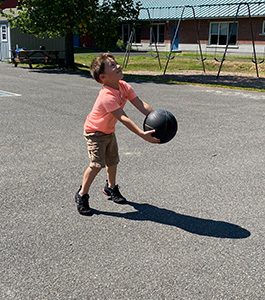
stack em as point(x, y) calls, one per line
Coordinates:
point(194, 226)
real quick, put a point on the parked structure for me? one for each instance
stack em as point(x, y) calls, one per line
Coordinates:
point(12, 38)
point(159, 19)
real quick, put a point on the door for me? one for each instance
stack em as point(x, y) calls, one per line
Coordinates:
point(76, 40)
point(176, 43)
point(4, 44)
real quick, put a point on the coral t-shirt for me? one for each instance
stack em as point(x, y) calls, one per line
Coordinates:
point(109, 99)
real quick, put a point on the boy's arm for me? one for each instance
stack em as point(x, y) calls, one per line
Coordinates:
point(146, 135)
point(142, 106)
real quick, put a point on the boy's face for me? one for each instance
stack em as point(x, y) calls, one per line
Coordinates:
point(112, 73)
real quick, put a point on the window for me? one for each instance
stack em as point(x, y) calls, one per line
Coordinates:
point(219, 33)
point(3, 32)
point(263, 27)
point(159, 33)
point(126, 32)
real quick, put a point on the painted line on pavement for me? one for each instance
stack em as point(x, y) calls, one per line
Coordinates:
point(8, 94)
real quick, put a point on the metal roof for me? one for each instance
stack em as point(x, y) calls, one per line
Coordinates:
point(204, 9)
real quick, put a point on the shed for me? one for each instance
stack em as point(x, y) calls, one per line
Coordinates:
point(11, 38)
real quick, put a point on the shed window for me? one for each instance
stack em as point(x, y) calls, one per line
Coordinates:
point(263, 27)
point(219, 33)
point(3, 33)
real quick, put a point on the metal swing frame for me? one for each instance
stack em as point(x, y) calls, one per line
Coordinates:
point(252, 37)
point(129, 45)
point(128, 49)
point(175, 35)
point(154, 39)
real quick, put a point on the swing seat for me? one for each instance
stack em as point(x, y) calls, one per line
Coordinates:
point(204, 58)
point(257, 62)
point(218, 59)
point(171, 57)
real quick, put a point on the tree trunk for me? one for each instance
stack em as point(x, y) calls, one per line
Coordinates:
point(69, 51)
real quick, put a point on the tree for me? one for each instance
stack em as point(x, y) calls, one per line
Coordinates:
point(54, 18)
point(109, 17)
point(64, 18)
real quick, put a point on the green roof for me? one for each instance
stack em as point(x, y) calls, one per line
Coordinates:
point(204, 9)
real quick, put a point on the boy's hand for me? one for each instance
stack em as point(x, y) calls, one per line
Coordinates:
point(147, 136)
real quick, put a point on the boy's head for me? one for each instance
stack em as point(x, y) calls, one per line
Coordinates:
point(105, 66)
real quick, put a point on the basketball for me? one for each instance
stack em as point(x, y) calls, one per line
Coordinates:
point(164, 123)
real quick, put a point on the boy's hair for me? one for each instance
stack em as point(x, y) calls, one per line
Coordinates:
point(98, 65)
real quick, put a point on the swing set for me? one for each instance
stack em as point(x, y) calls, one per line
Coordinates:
point(199, 57)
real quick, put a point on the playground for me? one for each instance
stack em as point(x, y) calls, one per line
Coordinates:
point(194, 225)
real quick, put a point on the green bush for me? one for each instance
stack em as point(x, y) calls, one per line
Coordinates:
point(120, 45)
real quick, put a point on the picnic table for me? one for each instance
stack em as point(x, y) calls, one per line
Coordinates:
point(25, 56)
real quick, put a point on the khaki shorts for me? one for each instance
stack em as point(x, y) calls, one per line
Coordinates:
point(102, 149)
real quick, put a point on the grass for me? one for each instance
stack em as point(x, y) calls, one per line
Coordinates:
point(235, 65)
point(187, 61)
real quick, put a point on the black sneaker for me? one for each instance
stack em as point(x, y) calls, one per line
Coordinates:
point(82, 203)
point(114, 194)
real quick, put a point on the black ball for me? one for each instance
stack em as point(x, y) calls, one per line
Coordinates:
point(164, 123)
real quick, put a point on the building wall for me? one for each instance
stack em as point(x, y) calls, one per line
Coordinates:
point(244, 36)
point(8, 4)
point(28, 41)
point(86, 41)
point(188, 37)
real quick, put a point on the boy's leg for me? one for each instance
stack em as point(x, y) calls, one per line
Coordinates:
point(111, 175)
point(81, 197)
point(112, 160)
point(89, 176)
point(111, 189)
point(96, 151)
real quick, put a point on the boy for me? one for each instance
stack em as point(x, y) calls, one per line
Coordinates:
point(99, 129)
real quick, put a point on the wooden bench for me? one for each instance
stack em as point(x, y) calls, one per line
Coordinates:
point(24, 56)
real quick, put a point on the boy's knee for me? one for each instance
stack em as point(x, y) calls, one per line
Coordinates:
point(96, 168)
